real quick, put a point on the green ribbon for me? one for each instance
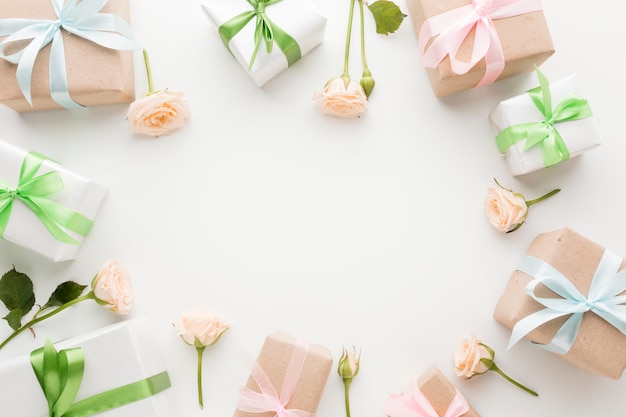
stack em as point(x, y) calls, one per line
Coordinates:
point(60, 375)
point(265, 29)
point(33, 191)
point(553, 147)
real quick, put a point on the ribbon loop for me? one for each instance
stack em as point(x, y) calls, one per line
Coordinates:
point(265, 30)
point(544, 132)
point(33, 191)
point(82, 19)
point(604, 299)
point(413, 403)
point(268, 400)
point(450, 30)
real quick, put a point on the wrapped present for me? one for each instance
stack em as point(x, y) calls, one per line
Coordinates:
point(547, 125)
point(266, 36)
point(432, 395)
point(44, 206)
point(471, 43)
point(567, 296)
point(116, 371)
point(289, 374)
point(65, 53)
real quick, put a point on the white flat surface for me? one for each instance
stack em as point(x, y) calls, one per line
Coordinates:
point(365, 232)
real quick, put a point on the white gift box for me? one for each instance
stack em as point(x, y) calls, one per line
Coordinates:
point(579, 135)
point(299, 18)
point(115, 355)
point(24, 228)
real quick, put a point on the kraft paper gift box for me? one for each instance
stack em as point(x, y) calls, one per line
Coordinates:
point(520, 112)
point(524, 40)
point(114, 356)
point(444, 398)
point(79, 198)
point(96, 75)
point(287, 368)
point(299, 19)
point(552, 258)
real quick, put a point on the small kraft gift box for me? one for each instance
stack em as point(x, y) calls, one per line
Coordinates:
point(471, 43)
point(65, 54)
point(567, 296)
point(432, 395)
point(289, 373)
point(44, 206)
point(266, 36)
point(116, 371)
point(545, 126)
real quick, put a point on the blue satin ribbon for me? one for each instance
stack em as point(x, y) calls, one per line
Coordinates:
point(604, 299)
point(79, 18)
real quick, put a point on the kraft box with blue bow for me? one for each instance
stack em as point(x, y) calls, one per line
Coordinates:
point(568, 296)
point(65, 54)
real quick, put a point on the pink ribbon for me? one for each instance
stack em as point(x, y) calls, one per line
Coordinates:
point(413, 403)
point(452, 28)
point(268, 399)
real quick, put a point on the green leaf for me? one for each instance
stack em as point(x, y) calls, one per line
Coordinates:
point(14, 318)
point(16, 292)
point(64, 293)
point(387, 15)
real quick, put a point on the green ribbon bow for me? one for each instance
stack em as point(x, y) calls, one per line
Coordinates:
point(571, 107)
point(60, 375)
point(265, 29)
point(33, 190)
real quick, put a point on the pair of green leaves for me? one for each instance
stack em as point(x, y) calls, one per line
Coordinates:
point(16, 292)
point(387, 15)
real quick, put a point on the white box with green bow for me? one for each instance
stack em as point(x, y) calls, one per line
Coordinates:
point(116, 371)
point(44, 206)
point(266, 36)
point(545, 126)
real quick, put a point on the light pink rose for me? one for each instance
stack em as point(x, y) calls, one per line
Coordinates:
point(505, 209)
point(467, 358)
point(112, 288)
point(201, 328)
point(158, 113)
point(342, 98)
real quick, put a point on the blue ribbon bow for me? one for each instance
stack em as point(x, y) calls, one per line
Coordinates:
point(604, 299)
point(79, 18)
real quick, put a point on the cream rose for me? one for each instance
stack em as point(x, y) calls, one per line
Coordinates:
point(505, 209)
point(112, 288)
point(342, 98)
point(158, 113)
point(467, 358)
point(200, 328)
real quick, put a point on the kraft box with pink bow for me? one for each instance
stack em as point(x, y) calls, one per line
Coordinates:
point(431, 395)
point(287, 379)
point(568, 297)
point(65, 54)
point(471, 43)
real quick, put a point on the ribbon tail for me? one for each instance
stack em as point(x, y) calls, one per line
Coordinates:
point(59, 88)
point(53, 216)
point(531, 322)
point(287, 44)
point(554, 149)
point(120, 396)
point(564, 339)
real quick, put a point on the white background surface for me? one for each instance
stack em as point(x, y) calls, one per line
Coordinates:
point(366, 232)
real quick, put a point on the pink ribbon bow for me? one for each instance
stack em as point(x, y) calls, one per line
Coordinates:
point(413, 403)
point(452, 28)
point(268, 399)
